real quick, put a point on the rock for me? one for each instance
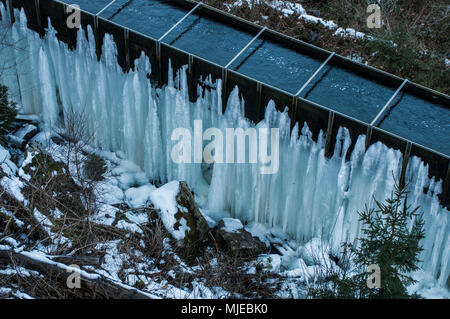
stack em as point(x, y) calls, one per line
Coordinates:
point(198, 233)
point(315, 12)
point(235, 240)
point(313, 36)
point(22, 135)
point(183, 219)
point(270, 262)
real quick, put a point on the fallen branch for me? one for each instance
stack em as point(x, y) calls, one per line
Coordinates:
point(78, 260)
point(94, 285)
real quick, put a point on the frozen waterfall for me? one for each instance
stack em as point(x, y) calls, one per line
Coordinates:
point(310, 196)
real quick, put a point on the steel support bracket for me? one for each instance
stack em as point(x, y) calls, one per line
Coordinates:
point(246, 47)
point(315, 74)
point(375, 120)
point(104, 8)
point(179, 21)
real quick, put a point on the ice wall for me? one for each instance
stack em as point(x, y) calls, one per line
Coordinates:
point(310, 196)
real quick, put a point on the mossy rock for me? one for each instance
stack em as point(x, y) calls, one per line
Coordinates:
point(238, 242)
point(198, 235)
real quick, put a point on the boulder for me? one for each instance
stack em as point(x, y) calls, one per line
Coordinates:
point(21, 135)
point(236, 241)
point(181, 217)
point(198, 233)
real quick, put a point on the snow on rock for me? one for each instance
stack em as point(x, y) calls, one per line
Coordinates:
point(6, 165)
point(164, 199)
point(129, 175)
point(28, 160)
point(232, 225)
point(236, 241)
point(4, 154)
point(13, 187)
point(288, 8)
point(139, 196)
point(352, 33)
point(182, 217)
point(270, 262)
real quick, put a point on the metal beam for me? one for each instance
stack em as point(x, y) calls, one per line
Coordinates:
point(315, 74)
point(245, 48)
point(37, 7)
point(181, 20)
point(389, 102)
point(191, 85)
point(126, 37)
point(446, 188)
point(406, 155)
point(107, 6)
point(159, 62)
point(294, 106)
point(259, 99)
point(328, 152)
point(224, 89)
point(368, 136)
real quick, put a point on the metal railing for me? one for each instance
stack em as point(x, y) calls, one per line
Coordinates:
point(179, 22)
point(106, 7)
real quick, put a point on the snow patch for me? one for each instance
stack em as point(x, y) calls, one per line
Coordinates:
point(164, 199)
point(139, 196)
point(232, 225)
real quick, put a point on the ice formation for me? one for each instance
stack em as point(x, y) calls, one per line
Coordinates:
point(310, 196)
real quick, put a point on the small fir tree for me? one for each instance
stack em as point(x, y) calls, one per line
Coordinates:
point(392, 235)
point(391, 239)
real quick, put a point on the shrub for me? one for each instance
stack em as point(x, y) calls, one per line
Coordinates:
point(8, 111)
point(94, 167)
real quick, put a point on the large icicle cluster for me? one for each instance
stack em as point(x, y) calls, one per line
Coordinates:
point(310, 196)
